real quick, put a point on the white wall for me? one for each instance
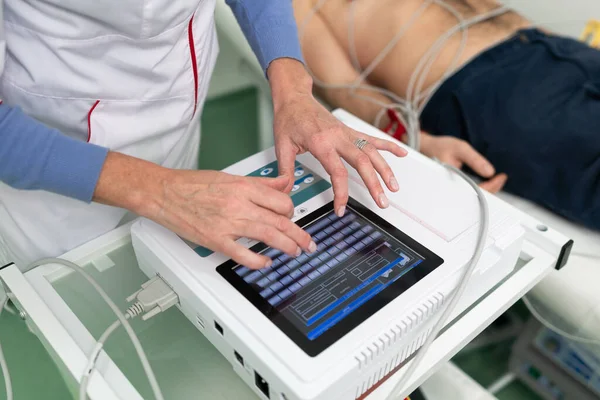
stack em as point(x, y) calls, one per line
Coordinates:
point(568, 17)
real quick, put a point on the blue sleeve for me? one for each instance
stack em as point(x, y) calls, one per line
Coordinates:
point(270, 27)
point(35, 157)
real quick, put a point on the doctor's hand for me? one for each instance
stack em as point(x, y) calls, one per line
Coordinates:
point(457, 152)
point(210, 208)
point(302, 124)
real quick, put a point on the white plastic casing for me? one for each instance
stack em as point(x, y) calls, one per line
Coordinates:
point(433, 206)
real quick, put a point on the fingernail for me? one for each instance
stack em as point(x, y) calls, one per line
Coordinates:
point(268, 263)
point(383, 201)
point(312, 247)
point(394, 184)
point(489, 170)
point(341, 211)
point(298, 252)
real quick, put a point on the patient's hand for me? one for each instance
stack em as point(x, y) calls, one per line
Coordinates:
point(457, 152)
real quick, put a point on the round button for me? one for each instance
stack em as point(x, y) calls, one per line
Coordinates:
point(266, 171)
point(299, 172)
point(295, 188)
point(309, 180)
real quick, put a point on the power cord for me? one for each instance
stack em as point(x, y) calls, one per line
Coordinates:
point(458, 291)
point(154, 297)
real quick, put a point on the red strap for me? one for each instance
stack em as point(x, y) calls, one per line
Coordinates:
point(399, 130)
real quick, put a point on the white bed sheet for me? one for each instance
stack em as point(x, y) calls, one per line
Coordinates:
point(571, 296)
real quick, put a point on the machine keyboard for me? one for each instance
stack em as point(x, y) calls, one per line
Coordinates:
point(337, 239)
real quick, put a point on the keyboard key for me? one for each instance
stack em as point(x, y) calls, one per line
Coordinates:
point(314, 274)
point(329, 230)
point(376, 234)
point(272, 253)
point(324, 268)
point(322, 223)
point(338, 236)
point(333, 263)
point(359, 246)
point(293, 264)
point(253, 276)
point(323, 256)
point(296, 274)
point(295, 287)
point(367, 228)
point(266, 292)
point(351, 251)
point(304, 281)
point(263, 282)
point(333, 251)
point(349, 217)
point(284, 294)
point(342, 246)
point(284, 258)
point(358, 235)
point(305, 268)
point(333, 217)
point(349, 241)
point(314, 262)
point(341, 257)
point(284, 270)
point(347, 231)
point(276, 286)
point(338, 225)
point(273, 275)
point(367, 241)
point(241, 271)
point(286, 280)
point(303, 257)
point(274, 300)
point(320, 235)
point(329, 241)
point(355, 225)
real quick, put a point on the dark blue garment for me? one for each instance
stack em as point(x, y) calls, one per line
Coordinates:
point(531, 105)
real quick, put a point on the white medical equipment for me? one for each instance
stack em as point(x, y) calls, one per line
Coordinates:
point(335, 325)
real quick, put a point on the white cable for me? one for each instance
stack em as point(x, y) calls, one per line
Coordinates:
point(85, 379)
point(457, 294)
point(4, 366)
point(122, 319)
point(554, 328)
point(410, 108)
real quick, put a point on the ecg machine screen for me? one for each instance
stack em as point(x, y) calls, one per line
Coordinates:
point(361, 264)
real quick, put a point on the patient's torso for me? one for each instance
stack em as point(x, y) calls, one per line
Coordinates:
point(377, 22)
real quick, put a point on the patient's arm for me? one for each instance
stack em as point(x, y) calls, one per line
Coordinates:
point(329, 62)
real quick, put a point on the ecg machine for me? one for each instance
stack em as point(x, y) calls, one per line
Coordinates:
point(335, 324)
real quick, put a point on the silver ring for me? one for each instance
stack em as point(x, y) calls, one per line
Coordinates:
point(361, 143)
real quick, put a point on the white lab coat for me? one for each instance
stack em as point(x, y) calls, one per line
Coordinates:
point(117, 73)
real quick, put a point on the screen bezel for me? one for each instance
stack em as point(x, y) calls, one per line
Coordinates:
point(315, 347)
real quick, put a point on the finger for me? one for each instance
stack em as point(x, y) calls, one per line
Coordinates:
point(495, 184)
point(478, 163)
point(381, 166)
point(286, 158)
point(272, 199)
point(361, 161)
point(243, 255)
point(389, 146)
point(279, 232)
point(280, 183)
point(336, 169)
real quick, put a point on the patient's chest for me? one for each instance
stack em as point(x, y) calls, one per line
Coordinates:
point(375, 23)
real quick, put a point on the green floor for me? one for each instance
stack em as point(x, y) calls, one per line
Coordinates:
point(226, 139)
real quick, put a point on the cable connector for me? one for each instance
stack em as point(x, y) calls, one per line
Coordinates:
point(154, 297)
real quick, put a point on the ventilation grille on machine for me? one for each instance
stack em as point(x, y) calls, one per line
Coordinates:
point(393, 363)
point(381, 350)
point(372, 352)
